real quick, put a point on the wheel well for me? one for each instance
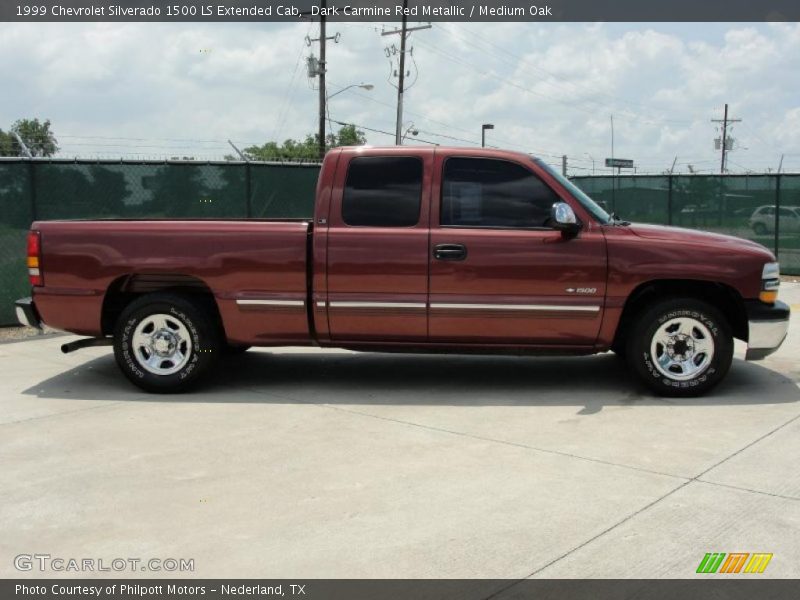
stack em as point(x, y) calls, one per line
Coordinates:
point(726, 299)
point(127, 288)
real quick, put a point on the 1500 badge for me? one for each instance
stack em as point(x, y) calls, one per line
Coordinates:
point(582, 290)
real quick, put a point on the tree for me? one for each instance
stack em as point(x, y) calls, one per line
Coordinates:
point(348, 135)
point(36, 136)
point(8, 145)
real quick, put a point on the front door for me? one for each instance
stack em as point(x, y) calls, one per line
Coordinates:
point(377, 248)
point(499, 273)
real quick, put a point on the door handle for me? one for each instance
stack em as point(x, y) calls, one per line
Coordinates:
point(450, 252)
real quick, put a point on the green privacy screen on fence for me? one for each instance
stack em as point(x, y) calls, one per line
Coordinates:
point(55, 189)
point(762, 208)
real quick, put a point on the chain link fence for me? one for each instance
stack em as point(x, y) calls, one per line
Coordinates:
point(764, 208)
point(761, 208)
point(59, 189)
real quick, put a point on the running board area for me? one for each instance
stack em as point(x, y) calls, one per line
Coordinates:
point(86, 343)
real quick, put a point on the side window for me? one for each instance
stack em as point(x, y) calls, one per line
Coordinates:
point(480, 192)
point(383, 191)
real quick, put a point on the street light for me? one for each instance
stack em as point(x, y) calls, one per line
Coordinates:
point(484, 127)
point(363, 86)
point(410, 129)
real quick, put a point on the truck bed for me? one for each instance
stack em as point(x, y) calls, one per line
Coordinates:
point(256, 270)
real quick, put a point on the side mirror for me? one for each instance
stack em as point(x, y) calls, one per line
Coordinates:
point(563, 218)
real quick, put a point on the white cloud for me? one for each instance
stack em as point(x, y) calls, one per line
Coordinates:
point(548, 88)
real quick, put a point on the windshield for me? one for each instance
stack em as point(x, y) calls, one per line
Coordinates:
point(587, 203)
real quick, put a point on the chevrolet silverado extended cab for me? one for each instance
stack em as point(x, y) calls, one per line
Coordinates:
point(411, 250)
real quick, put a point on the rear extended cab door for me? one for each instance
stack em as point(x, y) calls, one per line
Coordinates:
point(499, 273)
point(372, 238)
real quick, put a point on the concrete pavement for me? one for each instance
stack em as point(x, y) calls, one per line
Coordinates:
point(316, 463)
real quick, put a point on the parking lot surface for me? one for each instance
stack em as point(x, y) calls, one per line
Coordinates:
point(319, 463)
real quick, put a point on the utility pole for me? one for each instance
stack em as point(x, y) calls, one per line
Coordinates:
point(320, 67)
point(724, 145)
point(323, 98)
point(564, 165)
point(398, 137)
point(403, 33)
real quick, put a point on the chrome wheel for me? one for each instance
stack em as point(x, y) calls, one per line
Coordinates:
point(162, 344)
point(682, 348)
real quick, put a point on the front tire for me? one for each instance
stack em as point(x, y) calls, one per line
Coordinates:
point(680, 347)
point(619, 349)
point(165, 343)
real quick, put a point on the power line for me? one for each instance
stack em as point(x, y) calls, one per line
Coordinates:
point(654, 162)
point(381, 131)
point(403, 32)
point(109, 137)
point(530, 66)
point(168, 146)
point(760, 139)
point(423, 117)
point(499, 78)
point(574, 106)
point(286, 104)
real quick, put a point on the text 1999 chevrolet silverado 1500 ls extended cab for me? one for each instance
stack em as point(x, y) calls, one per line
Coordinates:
point(414, 250)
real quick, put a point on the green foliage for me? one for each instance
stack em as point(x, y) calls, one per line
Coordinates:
point(348, 135)
point(35, 134)
point(8, 145)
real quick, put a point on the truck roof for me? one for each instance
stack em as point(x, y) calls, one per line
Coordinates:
point(448, 150)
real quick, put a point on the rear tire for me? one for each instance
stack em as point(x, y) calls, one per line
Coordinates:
point(680, 347)
point(760, 229)
point(165, 343)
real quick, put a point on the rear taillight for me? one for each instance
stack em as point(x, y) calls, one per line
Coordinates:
point(35, 258)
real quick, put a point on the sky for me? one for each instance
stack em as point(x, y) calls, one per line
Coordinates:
point(155, 90)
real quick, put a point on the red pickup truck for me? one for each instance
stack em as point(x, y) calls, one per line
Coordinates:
point(411, 250)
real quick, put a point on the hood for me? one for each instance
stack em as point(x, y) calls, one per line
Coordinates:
point(693, 236)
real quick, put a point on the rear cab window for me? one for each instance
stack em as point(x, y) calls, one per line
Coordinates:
point(383, 191)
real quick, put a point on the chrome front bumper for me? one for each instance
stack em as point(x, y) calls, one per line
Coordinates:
point(767, 325)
